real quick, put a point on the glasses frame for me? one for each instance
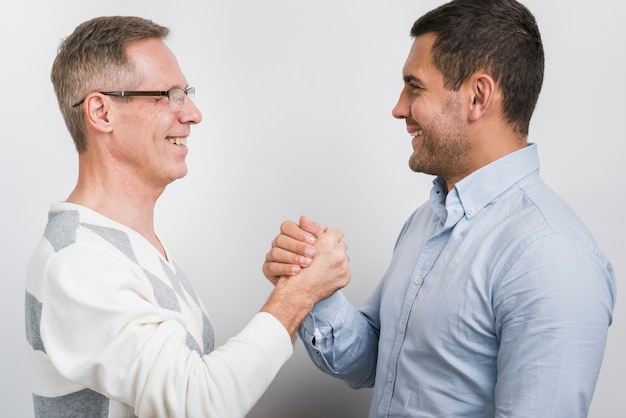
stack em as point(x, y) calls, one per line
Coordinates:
point(148, 93)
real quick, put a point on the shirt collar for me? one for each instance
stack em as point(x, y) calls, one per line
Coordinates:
point(477, 190)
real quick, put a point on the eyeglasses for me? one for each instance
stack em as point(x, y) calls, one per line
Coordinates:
point(175, 96)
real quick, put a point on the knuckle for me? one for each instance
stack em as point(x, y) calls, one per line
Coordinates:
point(276, 269)
point(278, 240)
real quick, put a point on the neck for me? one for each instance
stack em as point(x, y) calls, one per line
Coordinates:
point(487, 148)
point(121, 200)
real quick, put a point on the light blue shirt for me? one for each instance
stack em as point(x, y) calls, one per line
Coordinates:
point(497, 302)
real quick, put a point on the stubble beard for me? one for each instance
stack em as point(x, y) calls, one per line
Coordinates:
point(446, 159)
point(444, 149)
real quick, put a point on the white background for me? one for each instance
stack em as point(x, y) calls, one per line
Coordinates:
point(297, 100)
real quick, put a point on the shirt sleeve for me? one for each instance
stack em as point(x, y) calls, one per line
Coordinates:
point(342, 341)
point(553, 311)
point(102, 329)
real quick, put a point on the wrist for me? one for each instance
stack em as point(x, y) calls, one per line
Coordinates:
point(289, 304)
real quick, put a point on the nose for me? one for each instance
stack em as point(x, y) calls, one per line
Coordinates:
point(190, 112)
point(402, 109)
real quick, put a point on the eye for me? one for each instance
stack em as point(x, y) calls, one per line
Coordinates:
point(413, 85)
point(415, 88)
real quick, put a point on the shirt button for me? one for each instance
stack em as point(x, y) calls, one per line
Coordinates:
point(470, 211)
point(418, 280)
point(401, 328)
point(390, 377)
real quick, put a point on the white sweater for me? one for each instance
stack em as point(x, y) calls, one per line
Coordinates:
point(117, 330)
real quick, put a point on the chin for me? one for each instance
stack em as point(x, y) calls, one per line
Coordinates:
point(179, 174)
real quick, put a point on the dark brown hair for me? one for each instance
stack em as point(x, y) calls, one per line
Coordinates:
point(500, 37)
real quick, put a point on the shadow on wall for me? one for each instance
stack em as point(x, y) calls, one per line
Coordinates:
point(310, 394)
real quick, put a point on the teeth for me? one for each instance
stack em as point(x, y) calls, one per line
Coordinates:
point(417, 133)
point(178, 141)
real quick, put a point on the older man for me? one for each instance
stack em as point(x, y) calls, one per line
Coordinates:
point(115, 327)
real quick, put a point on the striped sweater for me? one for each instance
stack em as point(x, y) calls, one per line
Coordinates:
point(117, 330)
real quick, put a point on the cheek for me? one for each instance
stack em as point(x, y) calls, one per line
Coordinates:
point(422, 109)
point(416, 111)
point(422, 115)
point(160, 125)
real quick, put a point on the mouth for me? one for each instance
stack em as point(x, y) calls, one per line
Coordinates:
point(417, 133)
point(181, 141)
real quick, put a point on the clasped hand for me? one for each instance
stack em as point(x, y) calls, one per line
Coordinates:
point(310, 253)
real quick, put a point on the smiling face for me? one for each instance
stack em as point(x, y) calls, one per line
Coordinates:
point(149, 138)
point(434, 117)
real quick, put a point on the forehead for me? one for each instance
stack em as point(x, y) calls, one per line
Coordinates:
point(154, 62)
point(419, 63)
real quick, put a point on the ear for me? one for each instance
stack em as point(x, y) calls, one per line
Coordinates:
point(482, 95)
point(98, 113)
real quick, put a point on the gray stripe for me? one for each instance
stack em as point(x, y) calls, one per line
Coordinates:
point(86, 403)
point(33, 322)
point(61, 228)
point(164, 295)
point(183, 280)
point(192, 344)
point(116, 237)
point(207, 334)
point(173, 280)
point(179, 279)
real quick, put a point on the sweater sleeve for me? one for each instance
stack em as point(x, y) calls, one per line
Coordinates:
point(102, 329)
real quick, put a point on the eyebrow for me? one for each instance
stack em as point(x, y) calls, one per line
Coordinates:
point(411, 78)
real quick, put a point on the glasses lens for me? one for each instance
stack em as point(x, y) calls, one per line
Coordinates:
point(176, 97)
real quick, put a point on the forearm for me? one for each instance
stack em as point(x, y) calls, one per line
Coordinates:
point(289, 306)
point(341, 341)
point(236, 374)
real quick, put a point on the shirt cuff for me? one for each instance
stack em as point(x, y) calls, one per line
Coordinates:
point(323, 314)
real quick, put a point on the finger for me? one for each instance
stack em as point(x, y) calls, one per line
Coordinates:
point(294, 231)
point(311, 226)
point(334, 235)
point(274, 270)
point(294, 246)
point(282, 256)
